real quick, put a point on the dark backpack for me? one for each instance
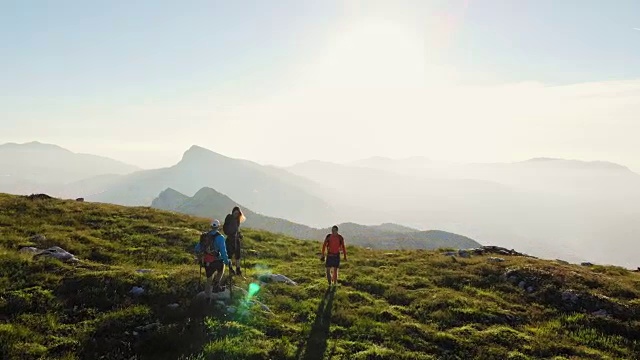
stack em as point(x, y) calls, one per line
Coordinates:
point(227, 223)
point(207, 246)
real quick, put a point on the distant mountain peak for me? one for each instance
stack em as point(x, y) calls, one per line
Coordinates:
point(542, 159)
point(607, 165)
point(34, 145)
point(171, 191)
point(198, 153)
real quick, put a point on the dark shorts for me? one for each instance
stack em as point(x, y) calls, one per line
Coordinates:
point(333, 261)
point(211, 268)
point(233, 247)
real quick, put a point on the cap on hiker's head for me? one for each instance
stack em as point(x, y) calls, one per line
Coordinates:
point(215, 224)
point(335, 227)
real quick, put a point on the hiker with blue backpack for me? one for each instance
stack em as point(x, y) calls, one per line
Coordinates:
point(212, 255)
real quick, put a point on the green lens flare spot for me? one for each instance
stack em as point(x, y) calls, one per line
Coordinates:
point(253, 289)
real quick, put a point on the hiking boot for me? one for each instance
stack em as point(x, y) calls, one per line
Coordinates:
point(233, 272)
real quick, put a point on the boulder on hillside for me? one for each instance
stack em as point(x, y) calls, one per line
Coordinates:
point(58, 253)
point(136, 291)
point(262, 306)
point(29, 250)
point(595, 304)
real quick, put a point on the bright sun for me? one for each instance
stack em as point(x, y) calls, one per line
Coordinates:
point(374, 52)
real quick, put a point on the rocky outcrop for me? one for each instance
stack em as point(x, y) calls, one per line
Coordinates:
point(54, 252)
point(39, 197)
point(550, 289)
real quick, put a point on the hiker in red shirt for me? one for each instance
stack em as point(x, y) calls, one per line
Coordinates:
point(334, 242)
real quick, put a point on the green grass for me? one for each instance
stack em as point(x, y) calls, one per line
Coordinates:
point(390, 304)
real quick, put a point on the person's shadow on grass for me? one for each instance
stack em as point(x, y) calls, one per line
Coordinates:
point(317, 341)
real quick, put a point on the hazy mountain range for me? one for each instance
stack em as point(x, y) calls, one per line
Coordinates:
point(551, 207)
point(576, 210)
point(212, 204)
point(30, 167)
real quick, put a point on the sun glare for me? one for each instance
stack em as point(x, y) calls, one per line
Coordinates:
point(374, 52)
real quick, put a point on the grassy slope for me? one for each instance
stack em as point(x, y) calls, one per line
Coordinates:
point(395, 305)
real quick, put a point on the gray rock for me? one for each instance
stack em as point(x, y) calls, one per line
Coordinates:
point(450, 253)
point(531, 289)
point(231, 309)
point(143, 271)
point(29, 250)
point(136, 291)
point(522, 285)
point(58, 253)
point(496, 259)
point(586, 263)
point(570, 296)
point(262, 306)
point(282, 279)
point(601, 312)
point(173, 306)
point(464, 253)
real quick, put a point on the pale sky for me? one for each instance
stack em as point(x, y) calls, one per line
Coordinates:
point(288, 81)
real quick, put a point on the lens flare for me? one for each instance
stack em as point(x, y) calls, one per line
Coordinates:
point(253, 290)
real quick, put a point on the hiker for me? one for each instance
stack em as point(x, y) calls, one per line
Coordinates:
point(212, 253)
point(231, 228)
point(333, 242)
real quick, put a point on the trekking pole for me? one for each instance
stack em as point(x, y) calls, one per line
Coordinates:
point(230, 282)
point(200, 278)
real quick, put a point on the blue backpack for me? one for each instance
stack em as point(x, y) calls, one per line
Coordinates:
point(207, 246)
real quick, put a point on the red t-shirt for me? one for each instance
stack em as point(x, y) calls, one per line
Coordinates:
point(334, 243)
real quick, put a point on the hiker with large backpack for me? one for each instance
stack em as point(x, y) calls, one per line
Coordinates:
point(231, 228)
point(333, 244)
point(212, 254)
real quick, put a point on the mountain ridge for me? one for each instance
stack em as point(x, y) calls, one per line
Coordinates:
point(210, 203)
point(49, 167)
point(271, 191)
